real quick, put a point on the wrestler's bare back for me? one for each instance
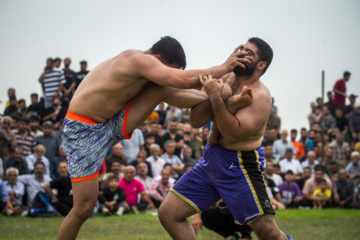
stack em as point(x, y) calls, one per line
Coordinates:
point(260, 104)
point(108, 87)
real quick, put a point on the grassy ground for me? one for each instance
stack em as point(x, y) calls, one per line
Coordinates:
point(302, 224)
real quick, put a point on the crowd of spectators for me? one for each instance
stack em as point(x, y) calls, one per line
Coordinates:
point(318, 169)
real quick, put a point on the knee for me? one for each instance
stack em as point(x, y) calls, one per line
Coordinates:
point(84, 210)
point(163, 213)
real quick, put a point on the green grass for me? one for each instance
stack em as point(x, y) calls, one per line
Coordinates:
point(302, 224)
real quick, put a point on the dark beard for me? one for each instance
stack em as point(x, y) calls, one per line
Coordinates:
point(250, 69)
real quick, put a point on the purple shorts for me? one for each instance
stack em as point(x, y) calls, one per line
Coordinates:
point(234, 176)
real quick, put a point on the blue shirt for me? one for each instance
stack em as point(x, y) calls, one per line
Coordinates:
point(3, 193)
point(19, 190)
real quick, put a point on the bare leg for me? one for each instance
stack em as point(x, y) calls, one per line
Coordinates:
point(85, 196)
point(265, 227)
point(173, 213)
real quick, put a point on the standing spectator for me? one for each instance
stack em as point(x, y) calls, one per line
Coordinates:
point(38, 156)
point(14, 188)
point(12, 108)
point(289, 191)
point(174, 160)
point(290, 163)
point(24, 138)
point(82, 74)
point(313, 184)
point(306, 142)
point(269, 154)
point(132, 146)
point(117, 154)
point(35, 126)
point(329, 121)
point(310, 161)
point(350, 107)
point(339, 146)
point(312, 115)
point(141, 157)
point(299, 148)
point(9, 141)
point(204, 135)
point(34, 182)
point(63, 200)
point(57, 63)
point(353, 168)
point(51, 81)
point(281, 145)
point(172, 135)
point(322, 195)
point(187, 157)
point(112, 199)
point(160, 188)
point(55, 113)
point(161, 112)
point(142, 175)
point(172, 114)
point(329, 103)
point(5, 202)
point(343, 190)
point(155, 130)
point(149, 140)
point(157, 163)
point(51, 144)
point(339, 90)
point(22, 108)
point(35, 108)
point(342, 123)
point(70, 80)
point(11, 93)
point(354, 123)
point(269, 173)
point(16, 161)
point(274, 121)
point(133, 187)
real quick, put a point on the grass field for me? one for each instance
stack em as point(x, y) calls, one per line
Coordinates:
point(302, 224)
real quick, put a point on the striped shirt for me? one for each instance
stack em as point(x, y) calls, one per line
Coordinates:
point(158, 191)
point(27, 143)
point(52, 80)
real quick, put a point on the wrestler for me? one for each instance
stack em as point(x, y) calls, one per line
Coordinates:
point(232, 164)
point(114, 99)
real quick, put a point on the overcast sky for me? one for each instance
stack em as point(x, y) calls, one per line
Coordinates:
point(306, 36)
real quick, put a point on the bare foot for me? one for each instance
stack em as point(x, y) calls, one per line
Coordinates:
point(238, 101)
point(226, 92)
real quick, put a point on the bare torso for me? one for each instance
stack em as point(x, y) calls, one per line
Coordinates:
point(108, 87)
point(254, 140)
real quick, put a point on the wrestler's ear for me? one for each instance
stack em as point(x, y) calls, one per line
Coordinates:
point(157, 56)
point(261, 65)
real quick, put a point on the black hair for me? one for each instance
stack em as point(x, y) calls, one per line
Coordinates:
point(25, 119)
point(57, 59)
point(113, 177)
point(34, 95)
point(37, 163)
point(21, 101)
point(167, 164)
point(322, 181)
point(34, 118)
point(265, 52)
point(293, 131)
point(170, 50)
point(289, 172)
point(83, 62)
point(347, 73)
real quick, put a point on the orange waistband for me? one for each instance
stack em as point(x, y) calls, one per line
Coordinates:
point(84, 178)
point(80, 118)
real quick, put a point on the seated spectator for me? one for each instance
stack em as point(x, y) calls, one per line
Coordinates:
point(38, 156)
point(331, 170)
point(187, 159)
point(133, 187)
point(157, 163)
point(339, 146)
point(149, 140)
point(63, 200)
point(313, 184)
point(24, 138)
point(299, 149)
point(113, 199)
point(354, 123)
point(269, 173)
point(117, 154)
point(157, 131)
point(169, 167)
point(174, 160)
point(9, 142)
point(353, 168)
point(195, 143)
point(35, 126)
point(14, 188)
point(280, 146)
point(160, 188)
point(34, 182)
point(55, 113)
point(5, 203)
point(115, 170)
point(161, 111)
point(310, 161)
point(35, 108)
point(342, 123)
point(322, 195)
point(142, 175)
point(306, 141)
point(289, 191)
point(132, 146)
point(274, 121)
point(51, 143)
point(356, 199)
point(141, 157)
point(290, 163)
point(12, 108)
point(22, 108)
point(173, 135)
point(306, 175)
point(276, 204)
point(343, 189)
point(323, 142)
point(61, 157)
point(16, 160)
point(268, 153)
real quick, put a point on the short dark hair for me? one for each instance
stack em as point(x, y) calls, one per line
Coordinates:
point(293, 131)
point(21, 101)
point(170, 50)
point(322, 181)
point(25, 119)
point(113, 177)
point(57, 59)
point(34, 118)
point(83, 62)
point(347, 73)
point(289, 172)
point(37, 163)
point(265, 52)
point(318, 168)
point(167, 164)
point(34, 95)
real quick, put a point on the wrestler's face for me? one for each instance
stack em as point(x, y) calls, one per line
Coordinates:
point(252, 55)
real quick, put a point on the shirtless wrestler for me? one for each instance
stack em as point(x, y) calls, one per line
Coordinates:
point(232, 164)
point(114, 99)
